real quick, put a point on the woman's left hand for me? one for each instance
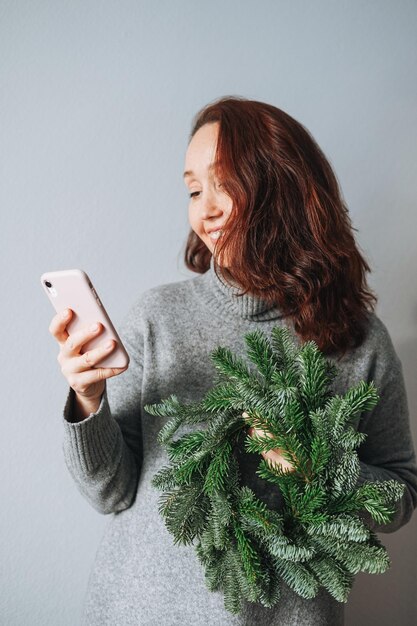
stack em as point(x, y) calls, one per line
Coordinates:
point(274, 455)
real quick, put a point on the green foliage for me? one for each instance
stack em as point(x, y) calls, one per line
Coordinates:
point(317, 539)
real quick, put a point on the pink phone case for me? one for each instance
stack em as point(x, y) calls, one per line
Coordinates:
point(73, 289)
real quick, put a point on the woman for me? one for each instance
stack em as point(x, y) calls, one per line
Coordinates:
point(271, 243)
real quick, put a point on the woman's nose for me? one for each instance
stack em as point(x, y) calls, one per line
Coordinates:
point(210, 205)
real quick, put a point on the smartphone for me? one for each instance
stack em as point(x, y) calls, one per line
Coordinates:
point(74, 290)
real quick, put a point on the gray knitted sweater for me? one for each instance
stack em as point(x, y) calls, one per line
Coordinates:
point(139, 576)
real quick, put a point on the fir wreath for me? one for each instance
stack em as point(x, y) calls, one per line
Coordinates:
point(318, 538)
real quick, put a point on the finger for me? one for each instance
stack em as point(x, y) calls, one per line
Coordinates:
point(261, 433)
point(256, 432)
point(275, 454)
point(83, 380)
point(75, 342)
point(57, 327)
point(276, 458)
point(91, 357)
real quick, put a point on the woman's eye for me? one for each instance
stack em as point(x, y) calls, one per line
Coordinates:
point(194, 194)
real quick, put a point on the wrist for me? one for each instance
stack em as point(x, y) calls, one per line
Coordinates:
point(83, 407)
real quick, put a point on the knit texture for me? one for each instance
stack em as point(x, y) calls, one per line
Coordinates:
point(139, 576)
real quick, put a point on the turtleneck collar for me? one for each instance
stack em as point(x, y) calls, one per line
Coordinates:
point(222, 290)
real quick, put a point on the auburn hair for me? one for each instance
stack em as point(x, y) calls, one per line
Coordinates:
point(289, 233)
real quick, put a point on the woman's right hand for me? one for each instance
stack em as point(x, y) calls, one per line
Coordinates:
point(87, 381)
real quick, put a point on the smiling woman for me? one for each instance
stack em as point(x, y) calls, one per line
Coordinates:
point(210, 206)
point(283, 255)
point(257, 174)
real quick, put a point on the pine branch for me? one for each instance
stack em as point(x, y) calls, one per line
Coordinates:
point(233, 367)
point(217, 473)
point(333, 576)
point(317, 538)
point(313, 376)
point(343, 526)
point(261, 353)
point(298, 577)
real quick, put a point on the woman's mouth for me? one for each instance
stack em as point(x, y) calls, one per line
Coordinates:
point(215, 235)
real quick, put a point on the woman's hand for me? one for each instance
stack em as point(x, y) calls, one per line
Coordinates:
point(87, 381)
point(274, 455)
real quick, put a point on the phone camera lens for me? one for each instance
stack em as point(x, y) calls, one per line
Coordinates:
point(48, 284)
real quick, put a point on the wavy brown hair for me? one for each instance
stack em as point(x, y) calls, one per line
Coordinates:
point(289, 233)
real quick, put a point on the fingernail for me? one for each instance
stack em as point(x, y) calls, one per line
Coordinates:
point(109, 345)
point(65, 313)
point(94, 327)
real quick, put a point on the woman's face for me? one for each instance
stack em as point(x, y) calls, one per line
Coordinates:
point(209, 206)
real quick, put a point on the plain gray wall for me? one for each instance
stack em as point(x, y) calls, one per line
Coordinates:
point(96, 104)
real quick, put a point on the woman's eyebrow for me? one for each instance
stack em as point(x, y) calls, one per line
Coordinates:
point(189, 173)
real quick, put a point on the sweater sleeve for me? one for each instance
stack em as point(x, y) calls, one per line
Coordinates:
point(103, 453)
point(388, 452)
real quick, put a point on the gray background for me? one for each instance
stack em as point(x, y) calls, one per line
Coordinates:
point(96, 102)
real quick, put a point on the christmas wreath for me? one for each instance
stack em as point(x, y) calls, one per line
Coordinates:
point(318, 538)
